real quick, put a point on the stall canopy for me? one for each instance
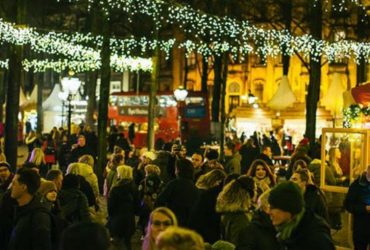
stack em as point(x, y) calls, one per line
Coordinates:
point(284, 96)
point(333, 100)
point(359, 95)
point(53, 102)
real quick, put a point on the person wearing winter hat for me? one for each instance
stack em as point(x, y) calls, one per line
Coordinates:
point(296, 227)
point(6, 176)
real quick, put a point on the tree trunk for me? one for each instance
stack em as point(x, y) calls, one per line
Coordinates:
point(315, 74)
point(361, 36)
point(3, 90)
point(103, 101)
point(12, 105)
point(223, 95)
point(14, 85)
point(152, 96)
point(217, 89)
point(92, 78)
point(40, 112)
point(204, 74)
point(287, 10)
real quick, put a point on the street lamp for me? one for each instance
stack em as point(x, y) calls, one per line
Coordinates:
point(180, 95)
point(70, 86)
point(63, 96)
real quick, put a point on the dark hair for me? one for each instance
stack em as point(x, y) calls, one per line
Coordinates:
point(85, 235)
point(230, 178)
point(212, 155)
point(253, 169)
point(184, 168)
point(53, 174)
point(231, 146)
point(71, 181)
point(30, 178)
point(303, 174)
point(247, 183)
point(29, 165)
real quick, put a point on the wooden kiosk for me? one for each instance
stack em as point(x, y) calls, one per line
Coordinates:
point(349, 151)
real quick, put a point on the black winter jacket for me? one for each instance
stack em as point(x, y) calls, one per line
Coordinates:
point(312, 232)
point(358, 197)
point(260, 234)
point(123, 204)
point(179, 195)
point(32, 228)
point(204, 218)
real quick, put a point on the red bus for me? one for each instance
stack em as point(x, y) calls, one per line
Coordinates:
point(192, 114)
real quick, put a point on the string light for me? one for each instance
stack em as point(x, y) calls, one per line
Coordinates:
point(239, 33)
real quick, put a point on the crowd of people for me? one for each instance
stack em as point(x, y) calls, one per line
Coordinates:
point(175, 200)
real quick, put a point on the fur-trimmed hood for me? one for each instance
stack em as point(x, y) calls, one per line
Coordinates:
point(231, 202)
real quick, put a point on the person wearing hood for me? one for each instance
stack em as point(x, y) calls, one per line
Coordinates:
point(123, 205)
point(357, 202)
point(260, 234)
point(234, 203)
point(204, 218)
point(74, 203)
point(297, 228)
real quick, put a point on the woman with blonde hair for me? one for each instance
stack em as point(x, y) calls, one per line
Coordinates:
point(159, 219)
point(123, 205)
point(87, 172)
point(234, 203)
point(87, 159)
point(149, 189)
point(176, 238)
point(111, 172)
point(38, 158)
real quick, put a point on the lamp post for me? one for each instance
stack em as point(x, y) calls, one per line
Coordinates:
point(70, 86)
point(63, 96)
point(180, 95)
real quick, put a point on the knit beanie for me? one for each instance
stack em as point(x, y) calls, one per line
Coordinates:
point(46, 187)
point(287, 196)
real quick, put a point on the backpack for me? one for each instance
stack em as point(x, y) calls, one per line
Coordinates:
point(57, 225)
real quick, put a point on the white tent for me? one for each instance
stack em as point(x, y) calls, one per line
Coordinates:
point(284, 96)
point(333, 100)
point(52, 107)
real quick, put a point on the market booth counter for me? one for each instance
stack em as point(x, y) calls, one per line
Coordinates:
point(346, 154)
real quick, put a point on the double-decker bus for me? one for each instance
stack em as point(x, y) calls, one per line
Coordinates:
point(191, 116)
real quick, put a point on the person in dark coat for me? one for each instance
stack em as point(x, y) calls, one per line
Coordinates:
point(260, 234)
point(357, 202)
point(204, 218)
point(234, 203)
point(314, 198)
point(232, 159)
point(266, 155)
point(249, 153)
point(123, 205)
point(298, 228)
point(80, 149)
point(32, 225)
point(74, 204)
point(179, 194)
